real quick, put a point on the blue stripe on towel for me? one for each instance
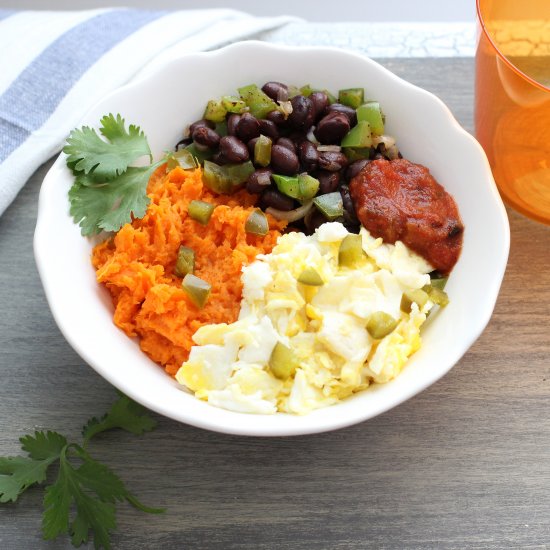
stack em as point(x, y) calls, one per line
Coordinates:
point(37, 91)
point(6, 13)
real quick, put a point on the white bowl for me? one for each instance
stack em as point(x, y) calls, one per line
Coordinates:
point(163, 103)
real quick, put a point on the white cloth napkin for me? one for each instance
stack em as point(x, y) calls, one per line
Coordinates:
point(55, 65)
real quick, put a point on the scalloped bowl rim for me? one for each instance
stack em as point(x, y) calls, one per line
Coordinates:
point(67, 277)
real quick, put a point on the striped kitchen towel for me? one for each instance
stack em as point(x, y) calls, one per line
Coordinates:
point(55, 65)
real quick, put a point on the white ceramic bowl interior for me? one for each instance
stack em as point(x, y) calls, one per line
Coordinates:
point(163, 104)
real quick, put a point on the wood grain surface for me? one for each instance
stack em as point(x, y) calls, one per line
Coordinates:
point(465, 464)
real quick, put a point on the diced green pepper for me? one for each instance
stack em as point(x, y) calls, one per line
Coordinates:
point(234, 104)
point(256, 223)
point(227, 178)
point(221, 128)
point(186, 261)
point(307, 186)
point(287, 185)
point(352, 97)
point(356, 153)
point(370, 112)
point(306, 90)
point(409, 296)
point(197, 289)
point(262, 151)
point(350, 252)
point(331, 97)
point(182, 158)
point(215, 111)
point(380, 324)
point(199, 154)
point(331, 205)
point(200, 211)
point(283, 362)
point(293, 91)
point(359, 136)
point(310, 277)
point(257, 101)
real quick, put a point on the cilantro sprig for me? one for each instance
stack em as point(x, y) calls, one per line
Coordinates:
point(83, 497)
point(108, 191)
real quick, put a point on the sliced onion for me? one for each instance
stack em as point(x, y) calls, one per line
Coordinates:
point(330, 148)
point(291, 215)
point(263, 178)
point(286, 107)
point(311, 136)
point(388, 141)
point(392, 152)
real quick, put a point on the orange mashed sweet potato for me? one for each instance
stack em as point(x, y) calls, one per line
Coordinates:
point(137, 264)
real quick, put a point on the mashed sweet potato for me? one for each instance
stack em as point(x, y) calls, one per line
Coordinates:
point(137, 264)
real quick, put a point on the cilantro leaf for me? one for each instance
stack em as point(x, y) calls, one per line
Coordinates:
point(109, 206)
point(43, 445)
point(125, 414)
point(87, 152)
point(18, 473)
point(92, 514)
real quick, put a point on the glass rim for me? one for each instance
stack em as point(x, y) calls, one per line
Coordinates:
point(502, 56)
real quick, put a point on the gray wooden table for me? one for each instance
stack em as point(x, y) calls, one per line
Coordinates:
point(465, 464)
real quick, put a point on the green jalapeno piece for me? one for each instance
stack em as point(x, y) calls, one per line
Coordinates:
point(350, 252)
point(417, 296)
point(307, 186)
point(200, 211)
point(283, 361)
point(197, 289)
point(380, 324)
point(310, 277)
point(256, 223)
point(262, 151)
point(186, 261)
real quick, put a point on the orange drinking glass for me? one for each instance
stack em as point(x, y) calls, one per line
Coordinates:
point(512, 100)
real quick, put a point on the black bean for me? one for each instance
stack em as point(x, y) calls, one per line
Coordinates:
point(302, 114)
point(332, 128)
point(259, 180)
point(276, 91)
point(349, 207)
point(288, 143)
point(276, 117)
point(232, 122)
point(199, 123)
point(308, 155)
point(206, 136)
point(284, 161)
point(355, 167)
point(218, 158)
point(320, 102)
point(314, 220)
point(328, 181)
point(233, 149)
point(344, 109)
point(269, 129)
point(333, 161)
point(248, 127)
point(275, 199)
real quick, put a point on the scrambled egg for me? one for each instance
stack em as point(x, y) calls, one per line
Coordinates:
point(323, 326)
